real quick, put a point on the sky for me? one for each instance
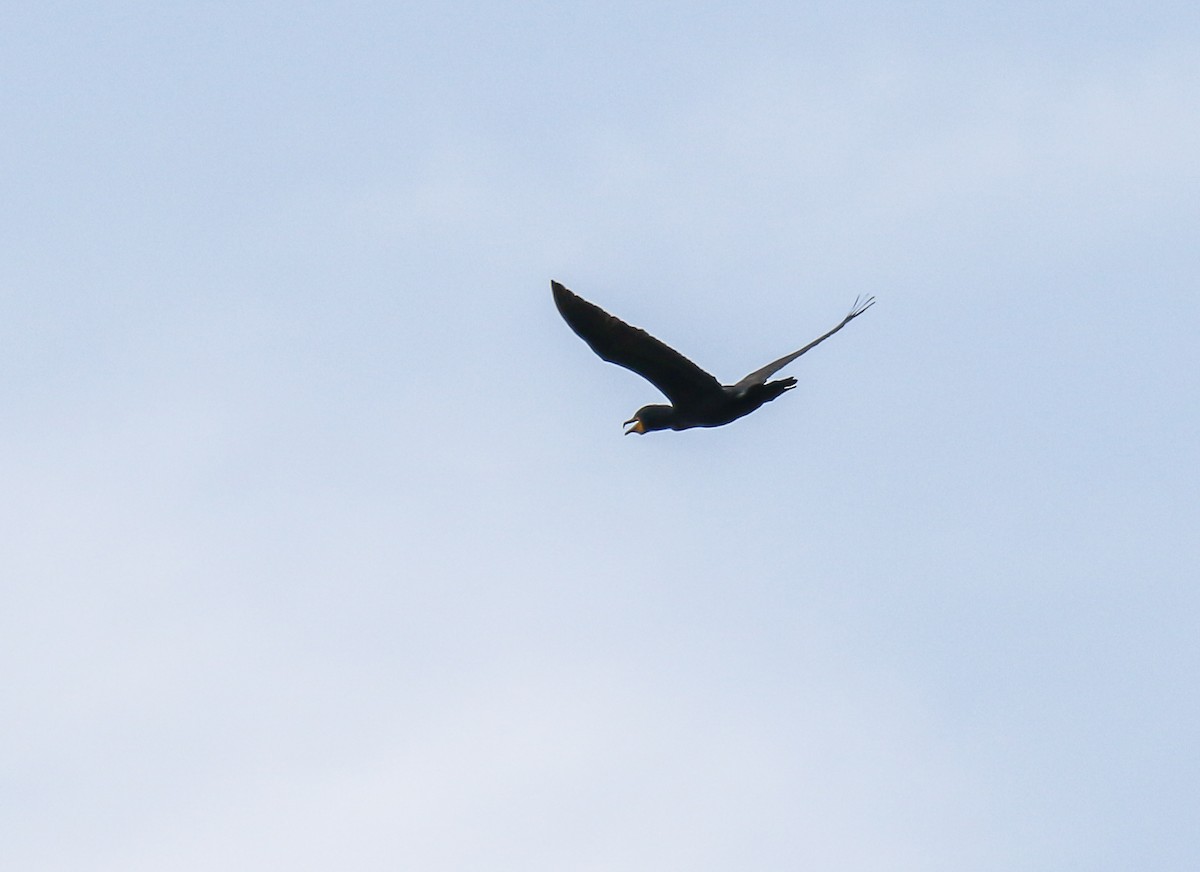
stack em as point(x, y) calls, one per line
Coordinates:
point(322, 546)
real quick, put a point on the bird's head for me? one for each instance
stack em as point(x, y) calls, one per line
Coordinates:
point(649, 418)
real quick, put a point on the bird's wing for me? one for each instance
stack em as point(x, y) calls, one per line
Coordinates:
point(617, 342)
point(761, 375)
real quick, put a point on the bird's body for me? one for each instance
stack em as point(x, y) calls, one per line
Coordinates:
point(712, 411)
point(697, 398)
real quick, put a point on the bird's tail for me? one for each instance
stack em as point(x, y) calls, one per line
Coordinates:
point(777, 388)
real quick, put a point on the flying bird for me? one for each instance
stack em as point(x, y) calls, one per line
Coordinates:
point(697, 398)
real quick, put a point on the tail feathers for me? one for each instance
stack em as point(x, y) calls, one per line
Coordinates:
point(775, 389)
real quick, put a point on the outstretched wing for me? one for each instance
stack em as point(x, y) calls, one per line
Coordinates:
point(759, 376)
point(615, 341)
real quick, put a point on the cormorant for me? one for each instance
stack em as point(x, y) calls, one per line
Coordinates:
point(697, 398)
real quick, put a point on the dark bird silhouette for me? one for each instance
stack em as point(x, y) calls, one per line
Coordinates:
point(697, 399)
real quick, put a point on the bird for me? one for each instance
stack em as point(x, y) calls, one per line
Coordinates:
point(697, 398)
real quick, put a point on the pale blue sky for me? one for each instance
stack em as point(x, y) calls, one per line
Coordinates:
point(323, 546)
